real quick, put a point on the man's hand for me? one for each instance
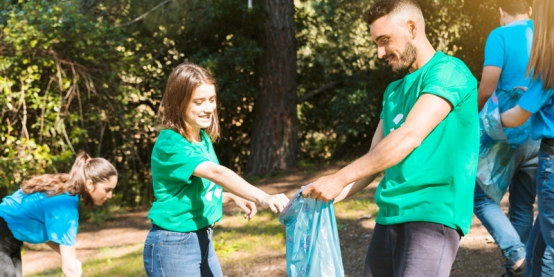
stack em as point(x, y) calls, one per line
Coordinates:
point(324, 189)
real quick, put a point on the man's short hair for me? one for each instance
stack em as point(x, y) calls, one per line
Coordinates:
point(385, 7)
point(513, 7)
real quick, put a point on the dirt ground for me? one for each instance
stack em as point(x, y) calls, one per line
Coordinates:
point(478, 254)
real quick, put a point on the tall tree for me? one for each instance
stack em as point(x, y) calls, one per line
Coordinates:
point(274, 138)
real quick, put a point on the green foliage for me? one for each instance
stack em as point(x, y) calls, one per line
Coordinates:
point(334, 45)
point(46, 61)
point(89, 75)
point(219, 35)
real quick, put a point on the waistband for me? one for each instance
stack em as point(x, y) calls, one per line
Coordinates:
point(547, 146)
point(207, 228)
point(549, 141)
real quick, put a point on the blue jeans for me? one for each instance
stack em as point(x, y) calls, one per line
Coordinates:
point(540, 248)
point(511, 234)
point(175, 254)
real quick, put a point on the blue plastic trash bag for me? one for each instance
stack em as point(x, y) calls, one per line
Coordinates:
point(498, 162)
point(490, 118)
point(502, 150)
point(312, 240)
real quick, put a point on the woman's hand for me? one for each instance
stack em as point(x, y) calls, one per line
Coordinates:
point(275, 202)
point(247, 206)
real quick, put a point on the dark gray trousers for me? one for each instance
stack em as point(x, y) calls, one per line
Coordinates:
point(411, 249)
point(10, 252)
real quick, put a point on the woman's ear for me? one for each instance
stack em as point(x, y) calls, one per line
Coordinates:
point(89, 185)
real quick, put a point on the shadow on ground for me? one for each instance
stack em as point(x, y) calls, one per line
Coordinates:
point(120, 239)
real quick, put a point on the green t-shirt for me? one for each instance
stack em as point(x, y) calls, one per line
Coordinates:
point(184, 202)
point(435, 182)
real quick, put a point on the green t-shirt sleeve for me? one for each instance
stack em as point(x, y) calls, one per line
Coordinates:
point(178, 159)
point(185, 162)
point(449, 81)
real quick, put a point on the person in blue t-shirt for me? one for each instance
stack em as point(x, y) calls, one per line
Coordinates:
point(44, 209)
point(538, 104)
point(507, 53)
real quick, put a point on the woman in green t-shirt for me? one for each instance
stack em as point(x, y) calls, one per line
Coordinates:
point(188, 181)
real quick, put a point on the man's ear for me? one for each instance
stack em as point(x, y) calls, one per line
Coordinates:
point(530, 11)
point(501, 12)
point(412, 28)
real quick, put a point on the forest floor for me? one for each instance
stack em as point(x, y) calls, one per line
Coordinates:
point(124, 234)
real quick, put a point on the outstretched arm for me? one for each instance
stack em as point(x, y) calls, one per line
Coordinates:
point(353, 188)
point(426, 114)
point(232, 182)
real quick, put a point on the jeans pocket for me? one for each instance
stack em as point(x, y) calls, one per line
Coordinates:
point(174, 238)
point(148, 258)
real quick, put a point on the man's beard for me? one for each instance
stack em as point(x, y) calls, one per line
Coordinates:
point(406, 59)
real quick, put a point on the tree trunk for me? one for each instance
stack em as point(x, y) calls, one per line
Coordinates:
point(273, 142)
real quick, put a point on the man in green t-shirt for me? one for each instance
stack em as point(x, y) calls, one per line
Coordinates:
point(427, 143)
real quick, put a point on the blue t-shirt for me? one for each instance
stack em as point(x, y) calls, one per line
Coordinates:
point(38, 218)
point(539, 102)
point(509, 47)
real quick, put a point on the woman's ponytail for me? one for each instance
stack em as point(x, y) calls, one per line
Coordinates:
point(77, 178)
point(84, 168)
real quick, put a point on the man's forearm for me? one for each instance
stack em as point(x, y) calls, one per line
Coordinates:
point(353, 188)
point(390, 151)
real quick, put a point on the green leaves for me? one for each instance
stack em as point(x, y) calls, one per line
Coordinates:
point(49, 71)
point(71, 79)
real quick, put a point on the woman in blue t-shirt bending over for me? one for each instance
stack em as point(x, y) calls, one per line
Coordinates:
point(188, 181)
point(44, 209)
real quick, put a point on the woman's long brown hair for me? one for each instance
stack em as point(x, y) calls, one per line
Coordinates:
point(542, 52)
point(182, 82)
point(84, 168)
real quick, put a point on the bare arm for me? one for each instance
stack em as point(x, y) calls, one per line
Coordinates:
point(353, 188)
point(426, 114)
point(70, 265)
point(54, 246)
point(230, 181)
point(488, 84)
point(514, 117)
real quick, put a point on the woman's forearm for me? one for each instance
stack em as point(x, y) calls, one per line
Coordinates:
point(514, 117)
